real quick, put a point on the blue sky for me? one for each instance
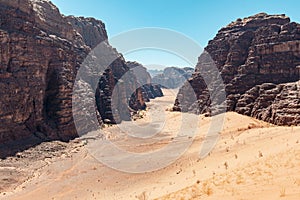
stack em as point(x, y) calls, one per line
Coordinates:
point(199, 20)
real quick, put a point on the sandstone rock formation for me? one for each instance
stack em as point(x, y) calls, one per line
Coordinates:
point(278, 104)
point(41, 53)
point(150, 89)
point(258, 50)
point(92, 30)
point(39, 57)
point(173, 77)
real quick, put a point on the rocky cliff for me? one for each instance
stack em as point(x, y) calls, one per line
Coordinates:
point(279, 104)
point(92, 30)
point(41, 52)
point(150, 89)
point(39, 57)
point(257, 58)
point(173, 77)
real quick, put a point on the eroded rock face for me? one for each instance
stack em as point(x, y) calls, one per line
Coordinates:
point(173, 77)
point(41, 53)
point(249, 52)
point(37, 67)
point(150, 89)
point(92, 30)
point(277, 104)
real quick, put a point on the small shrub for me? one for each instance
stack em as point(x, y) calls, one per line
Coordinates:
point(142, 196)
point(207, 189)
point(282, 192)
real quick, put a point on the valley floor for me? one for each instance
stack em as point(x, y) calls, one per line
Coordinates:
point(251, 160)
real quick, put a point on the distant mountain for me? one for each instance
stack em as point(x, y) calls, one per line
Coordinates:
point(154, 72)
point(173, 77)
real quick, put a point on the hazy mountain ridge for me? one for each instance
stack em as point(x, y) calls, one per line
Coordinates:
point(173, 77)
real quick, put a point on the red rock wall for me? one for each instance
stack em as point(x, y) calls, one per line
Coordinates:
point(41, 52)
point(249, 52)
point(37, 73)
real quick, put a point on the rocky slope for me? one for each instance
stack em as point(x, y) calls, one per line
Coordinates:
point(41, 52)
point(173, 77)
point(258, 50)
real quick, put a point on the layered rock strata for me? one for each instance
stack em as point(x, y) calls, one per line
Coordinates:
point(41, 52)
point(251, 54)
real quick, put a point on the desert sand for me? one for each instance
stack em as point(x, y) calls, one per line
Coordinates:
point(251, 160)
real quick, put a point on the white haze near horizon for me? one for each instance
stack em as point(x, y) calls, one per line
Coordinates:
point(155, 59)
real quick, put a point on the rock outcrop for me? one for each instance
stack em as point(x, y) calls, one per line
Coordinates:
point(39, 57)
point(277, 104)
point(41, 53)
point(258, 50)
point(92, 30)
point(173, 77)
point(150, 89)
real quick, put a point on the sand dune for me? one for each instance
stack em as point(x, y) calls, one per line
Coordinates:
point(251, 160)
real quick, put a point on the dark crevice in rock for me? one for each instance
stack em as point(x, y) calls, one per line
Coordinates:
point(51, 101)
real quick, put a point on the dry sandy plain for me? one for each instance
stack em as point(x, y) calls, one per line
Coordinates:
point(251, 160)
